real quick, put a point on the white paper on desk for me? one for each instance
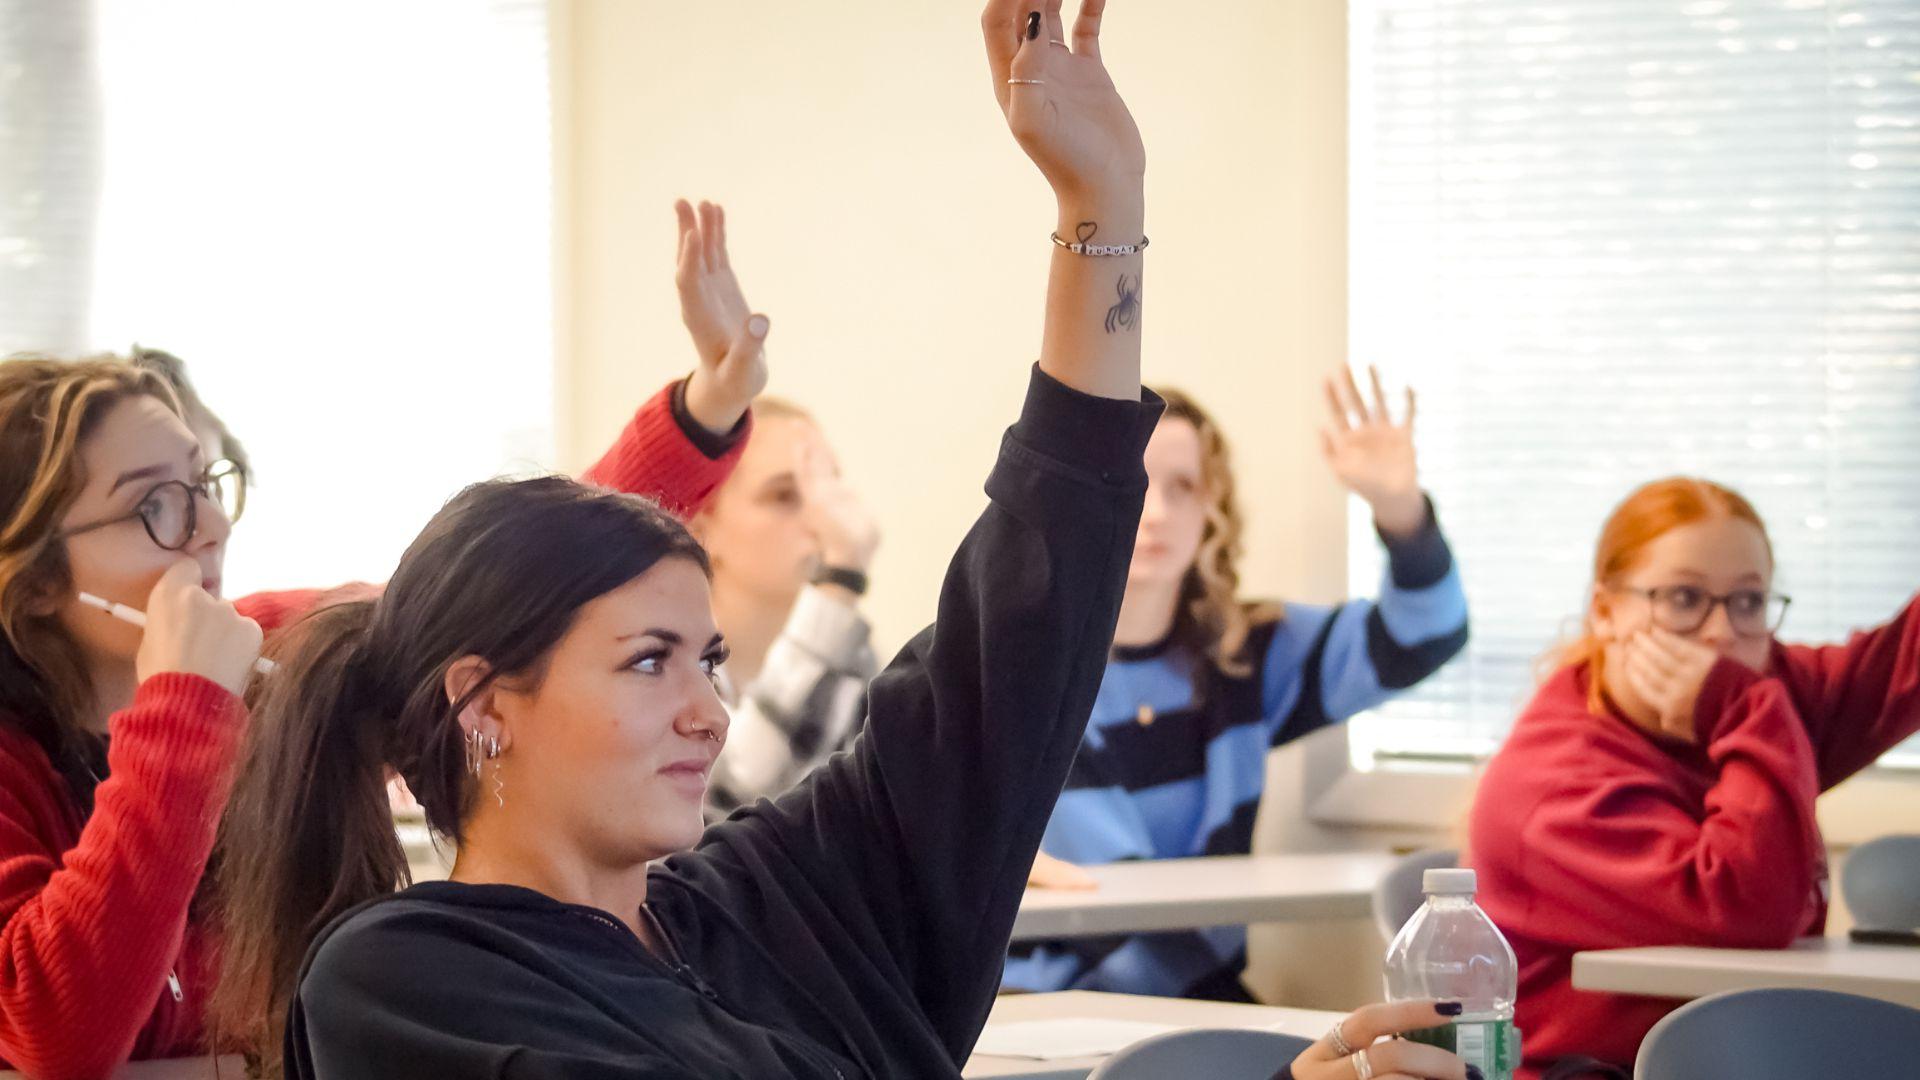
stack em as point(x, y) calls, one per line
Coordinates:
point(1070, 1037)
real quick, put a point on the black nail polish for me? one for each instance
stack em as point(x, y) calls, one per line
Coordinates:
point(1033, 25)
point(1474, 1073)
point(1449, 1008)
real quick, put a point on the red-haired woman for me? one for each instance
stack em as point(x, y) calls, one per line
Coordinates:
point(1659, 788)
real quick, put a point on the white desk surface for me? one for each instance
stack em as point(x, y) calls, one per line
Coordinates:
point(1080, 1004)
point(1085, 1004)
point(200, 1068)
point(1888, 972)
point(1226, 890)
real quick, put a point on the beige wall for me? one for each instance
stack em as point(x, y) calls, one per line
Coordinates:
point(881, 215)
point(883, 218)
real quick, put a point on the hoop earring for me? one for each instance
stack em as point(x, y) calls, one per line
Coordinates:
point(480, 750)
point(476, 752)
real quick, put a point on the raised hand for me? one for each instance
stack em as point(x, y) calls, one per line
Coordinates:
point(1060, 103)
point(832, 510)
point(191, 631)
point(1666, 672)
point(727, 336)
point(1372, 456)
point(1066, 115)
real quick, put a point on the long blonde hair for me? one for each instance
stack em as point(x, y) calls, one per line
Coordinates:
point(1211, 620)
point(1650, 512)
point(48, 407)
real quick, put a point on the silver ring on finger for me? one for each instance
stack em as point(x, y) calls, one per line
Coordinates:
point(1362, 1068)
point(1056, 41)
point(1339, 1039)
point(1026, 82)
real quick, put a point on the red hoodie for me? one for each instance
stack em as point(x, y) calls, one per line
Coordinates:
point(99, 963)
point(1589, 833)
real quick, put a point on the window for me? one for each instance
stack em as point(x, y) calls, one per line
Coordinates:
point(1612, 242)
point(338, 215)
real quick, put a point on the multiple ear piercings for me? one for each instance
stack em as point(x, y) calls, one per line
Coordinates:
point(480, 750)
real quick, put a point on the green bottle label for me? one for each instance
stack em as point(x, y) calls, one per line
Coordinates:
point(1493, 1045)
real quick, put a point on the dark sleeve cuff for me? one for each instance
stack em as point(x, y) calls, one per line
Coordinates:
point(713, 446)
point(1420, 560)
point(1102, 437)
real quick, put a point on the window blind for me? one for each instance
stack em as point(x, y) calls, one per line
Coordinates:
point(1609, 242)
point(49, 173)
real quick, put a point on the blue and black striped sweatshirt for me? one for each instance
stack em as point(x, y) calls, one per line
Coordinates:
point(1173, 763)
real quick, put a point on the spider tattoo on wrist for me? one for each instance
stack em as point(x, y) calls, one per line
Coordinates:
point(1125, 315)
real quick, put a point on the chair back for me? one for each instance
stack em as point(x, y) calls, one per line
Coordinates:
point(1399, 895)
point(1778, 1033)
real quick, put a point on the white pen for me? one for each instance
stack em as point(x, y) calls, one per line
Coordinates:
point(139, 618)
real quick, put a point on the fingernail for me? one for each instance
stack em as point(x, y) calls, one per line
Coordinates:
point(1449, 1008)
point(1033, 25)
point(757, 326)
point(1474, 1073)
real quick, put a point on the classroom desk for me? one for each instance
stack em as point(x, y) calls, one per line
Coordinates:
point(1086, 1004)
point(1888, 972)
point(1225, 890)
point(230, 1067)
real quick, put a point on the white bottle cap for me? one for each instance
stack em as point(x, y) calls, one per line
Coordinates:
point(1447, 882)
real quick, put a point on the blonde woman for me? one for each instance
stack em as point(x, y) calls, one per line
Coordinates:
point(1200, 685)
point(790, 542)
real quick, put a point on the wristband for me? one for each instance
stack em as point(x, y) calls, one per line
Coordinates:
point(854, 581)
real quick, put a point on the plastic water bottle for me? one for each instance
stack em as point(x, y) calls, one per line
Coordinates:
point(1451, 951)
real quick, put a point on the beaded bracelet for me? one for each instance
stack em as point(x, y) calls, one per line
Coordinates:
point(1081, 247)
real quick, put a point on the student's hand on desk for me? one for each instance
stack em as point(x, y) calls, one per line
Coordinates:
point(1393, 1060)
point(727, 336)
point(1371, 455)
point(1051, 873)
point(1667, 671)
point(832, 510)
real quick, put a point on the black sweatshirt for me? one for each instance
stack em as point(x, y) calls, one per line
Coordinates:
point(853, 928)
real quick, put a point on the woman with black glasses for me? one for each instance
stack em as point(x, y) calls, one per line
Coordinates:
point(102, 844)
point(1659, 789)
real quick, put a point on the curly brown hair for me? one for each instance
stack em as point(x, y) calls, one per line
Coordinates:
point(1211, 620)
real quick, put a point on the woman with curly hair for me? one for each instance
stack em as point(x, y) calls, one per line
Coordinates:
point(1200, 685)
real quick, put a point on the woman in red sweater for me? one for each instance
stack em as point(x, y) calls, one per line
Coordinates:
point(116, 746)
point(1659, 789)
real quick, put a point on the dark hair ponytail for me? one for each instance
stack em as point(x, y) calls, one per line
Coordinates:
point(499, 573)
point(318, 837)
